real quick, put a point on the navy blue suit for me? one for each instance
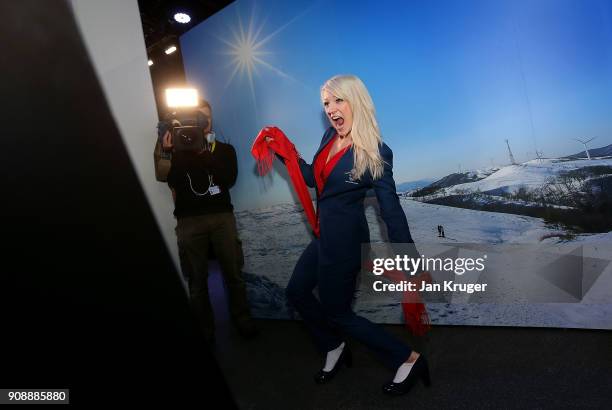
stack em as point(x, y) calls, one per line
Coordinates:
point(332, 262)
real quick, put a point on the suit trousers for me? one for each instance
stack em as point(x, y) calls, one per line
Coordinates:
point(332, 312)
point(195, 234)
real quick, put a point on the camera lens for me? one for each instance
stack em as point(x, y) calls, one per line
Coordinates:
point(187, 139)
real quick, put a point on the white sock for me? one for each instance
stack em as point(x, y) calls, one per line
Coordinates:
point(402, 372)
point(332, 358)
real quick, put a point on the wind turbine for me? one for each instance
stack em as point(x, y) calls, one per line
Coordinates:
point(586, 149)
point(512, 161)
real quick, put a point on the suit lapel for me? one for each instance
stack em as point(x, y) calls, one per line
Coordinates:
point(338, 174)
point(329, 134)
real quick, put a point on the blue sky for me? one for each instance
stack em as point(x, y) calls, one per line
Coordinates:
point(450, 79)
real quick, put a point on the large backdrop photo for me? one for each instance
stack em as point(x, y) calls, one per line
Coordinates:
point(498, 117)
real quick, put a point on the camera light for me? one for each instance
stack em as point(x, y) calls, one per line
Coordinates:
point(170, 50)
point(181, 97)
point(182, 18)
point(150, 63)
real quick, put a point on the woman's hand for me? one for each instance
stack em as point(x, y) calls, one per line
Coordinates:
point(167, 141)
point(268, 139)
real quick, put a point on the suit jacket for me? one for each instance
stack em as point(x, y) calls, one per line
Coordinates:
point(340, 207)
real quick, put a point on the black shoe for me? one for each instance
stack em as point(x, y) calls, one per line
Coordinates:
point(420, 370)
point(346, 357)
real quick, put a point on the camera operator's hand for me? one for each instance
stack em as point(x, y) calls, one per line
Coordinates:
point(167, 141)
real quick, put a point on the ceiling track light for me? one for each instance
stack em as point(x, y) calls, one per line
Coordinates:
point(170, 50)
point(182, 18)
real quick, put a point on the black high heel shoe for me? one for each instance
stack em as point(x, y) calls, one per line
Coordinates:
point(346, 358)
point(420, 370)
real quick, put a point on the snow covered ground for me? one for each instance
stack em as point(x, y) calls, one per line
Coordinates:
point(531, 174)
point(274, 238)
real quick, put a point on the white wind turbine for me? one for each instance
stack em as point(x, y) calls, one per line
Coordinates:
point(586, 149)
point(512, 161)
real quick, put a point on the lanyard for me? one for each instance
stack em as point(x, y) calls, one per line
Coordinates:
point(210, 178)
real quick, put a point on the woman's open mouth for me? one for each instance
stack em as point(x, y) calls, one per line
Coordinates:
point(337, 120)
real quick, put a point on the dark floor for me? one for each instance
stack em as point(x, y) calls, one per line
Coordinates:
point(472, 367)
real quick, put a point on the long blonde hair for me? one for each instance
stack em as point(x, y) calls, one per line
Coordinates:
point(364, 132)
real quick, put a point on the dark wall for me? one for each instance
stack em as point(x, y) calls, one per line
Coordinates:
point(89, 297)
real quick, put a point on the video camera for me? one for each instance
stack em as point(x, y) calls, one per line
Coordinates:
point(186, 128)
point(185, 121)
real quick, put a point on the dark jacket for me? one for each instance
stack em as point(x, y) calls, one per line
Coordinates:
point(340, 206)
point(190, 172)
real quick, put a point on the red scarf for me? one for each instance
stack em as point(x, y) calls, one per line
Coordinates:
point(264, 154)
point(414, 310)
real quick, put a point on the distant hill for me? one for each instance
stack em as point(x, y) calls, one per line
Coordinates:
point(412, 185)
point(463, 177)
point(595, 152)
point(530, 175)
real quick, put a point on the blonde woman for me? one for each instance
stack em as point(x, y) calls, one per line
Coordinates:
point(350, 160)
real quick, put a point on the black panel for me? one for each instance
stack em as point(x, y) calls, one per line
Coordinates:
point(90, 298)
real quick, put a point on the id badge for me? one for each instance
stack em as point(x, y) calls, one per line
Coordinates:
point(214, 190)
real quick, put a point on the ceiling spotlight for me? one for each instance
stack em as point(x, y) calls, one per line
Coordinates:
point(150, 63)
point(182, 18)
point(170, 50)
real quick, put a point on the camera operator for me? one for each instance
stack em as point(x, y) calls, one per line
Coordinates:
point(200, 181)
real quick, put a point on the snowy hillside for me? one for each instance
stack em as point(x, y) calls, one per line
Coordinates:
point(412, 185)
point(532, 174)
point(454, 179)
point(274, 238)
point(596, 152)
